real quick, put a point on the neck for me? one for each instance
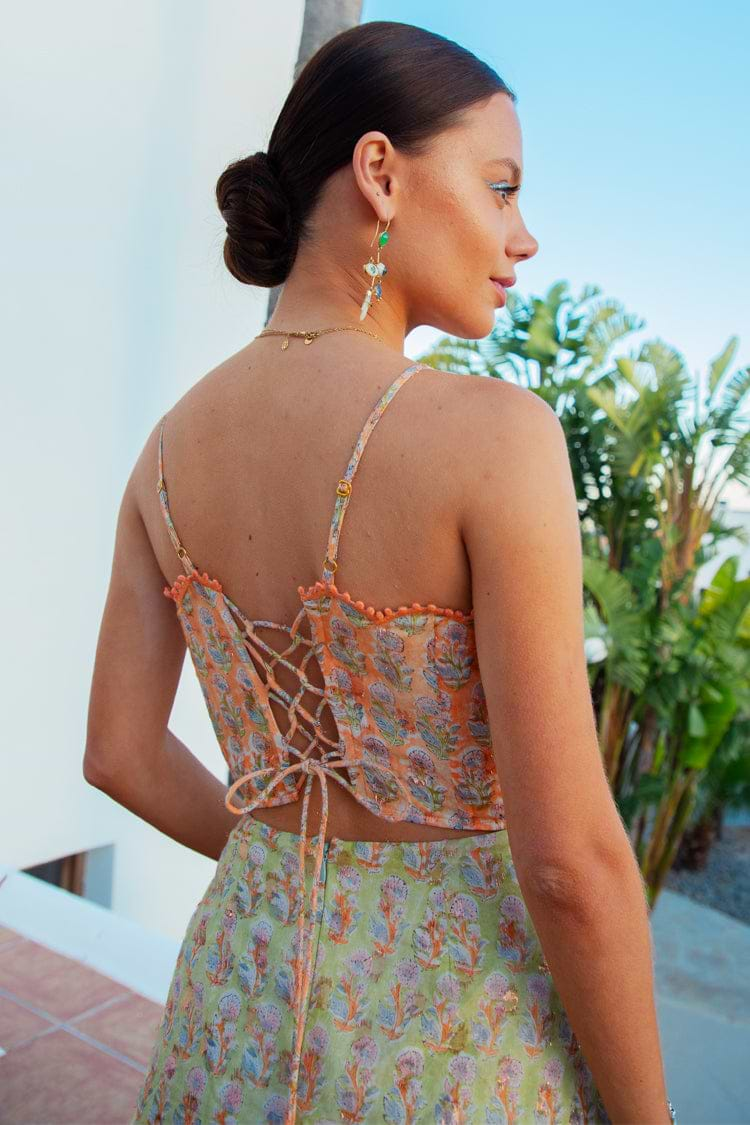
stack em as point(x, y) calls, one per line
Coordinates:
point(329, 297)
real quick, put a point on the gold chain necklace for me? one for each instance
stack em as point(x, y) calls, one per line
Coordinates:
point(313, 335)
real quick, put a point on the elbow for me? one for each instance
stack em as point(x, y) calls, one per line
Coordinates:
point(579, 875)
point(580, 888)
point(93, 770)
point(560, 883)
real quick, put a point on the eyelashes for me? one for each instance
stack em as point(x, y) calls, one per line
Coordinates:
point(505, 190)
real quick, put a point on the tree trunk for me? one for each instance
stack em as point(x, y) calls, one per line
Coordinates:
point(696, 844)
point(322, 20)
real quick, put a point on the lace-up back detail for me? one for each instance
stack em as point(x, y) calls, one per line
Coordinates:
point(402, 685)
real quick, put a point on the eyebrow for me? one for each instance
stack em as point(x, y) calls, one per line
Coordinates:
point(508, 162)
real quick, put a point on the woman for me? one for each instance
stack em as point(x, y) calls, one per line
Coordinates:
point(412, 918)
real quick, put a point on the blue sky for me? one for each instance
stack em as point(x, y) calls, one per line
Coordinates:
point(636, 153)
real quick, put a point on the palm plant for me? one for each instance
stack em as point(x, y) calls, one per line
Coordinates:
point(651, 454)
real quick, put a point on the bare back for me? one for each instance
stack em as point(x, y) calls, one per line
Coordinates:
point(252, 456)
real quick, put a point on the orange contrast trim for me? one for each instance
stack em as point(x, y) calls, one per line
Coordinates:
point(387, 613)
point(177, 591)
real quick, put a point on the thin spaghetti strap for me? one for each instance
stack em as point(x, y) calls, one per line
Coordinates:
point(161, 487)
point(344, 485)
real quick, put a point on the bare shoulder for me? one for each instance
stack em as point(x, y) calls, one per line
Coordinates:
point(486, 406)
point(194, 402)
point(496, 431)
point(496, 407)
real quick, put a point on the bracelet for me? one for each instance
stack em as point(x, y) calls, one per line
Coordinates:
point(672, 1115)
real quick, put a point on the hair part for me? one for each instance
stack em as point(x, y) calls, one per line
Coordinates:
point(409, 83)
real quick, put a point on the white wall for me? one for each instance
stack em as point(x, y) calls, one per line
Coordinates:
point(115, 299)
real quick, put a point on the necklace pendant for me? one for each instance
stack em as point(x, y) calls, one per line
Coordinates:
point(285, 345)
point(309, 338)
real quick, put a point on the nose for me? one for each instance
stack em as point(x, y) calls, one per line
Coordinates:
point(524, 245)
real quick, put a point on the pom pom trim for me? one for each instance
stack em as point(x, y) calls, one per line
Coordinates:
point(319, 589)
point(177, 590)
point(387, 613)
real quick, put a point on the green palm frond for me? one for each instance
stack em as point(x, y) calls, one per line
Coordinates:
point(608, 323)
point(722, 417)
point(722, 363)
point(627, 662)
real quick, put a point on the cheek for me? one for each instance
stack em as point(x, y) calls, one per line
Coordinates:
point(482, 237)
point(452, 241)
point(474, 230)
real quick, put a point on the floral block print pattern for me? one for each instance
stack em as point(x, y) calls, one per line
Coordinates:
point(430, 1000)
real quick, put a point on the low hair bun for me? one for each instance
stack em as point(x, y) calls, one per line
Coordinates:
point(260, 245)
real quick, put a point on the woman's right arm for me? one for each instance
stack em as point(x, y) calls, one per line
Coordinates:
point(574, 861)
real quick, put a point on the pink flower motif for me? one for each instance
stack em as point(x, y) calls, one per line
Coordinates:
point(421, 760)
point(376, 749)
point(269, 1017)
point(553, 1072)
point(539, 987)
point(473, 758)
point(196, 1081)
point(409, 1063)
point(407, 973)
point(449, 985)
point(513, 908)
point(360, 963)
point(262, 932)
point(463, 1068)
point(496, 985)
point(511, 1070)
point(318, 1038)
point(231, 1096)
point(170, 1066)
point(229, 1005)
point(395, 886)
point(464, 907)
point(365, 1050)
point(455, 630)
point(349, 878)
point(427, 706)
point(275, 1108)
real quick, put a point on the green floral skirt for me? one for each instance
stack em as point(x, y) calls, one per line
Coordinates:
point(430, 999)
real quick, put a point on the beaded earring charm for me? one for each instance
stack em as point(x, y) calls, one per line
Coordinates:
point(375, 269)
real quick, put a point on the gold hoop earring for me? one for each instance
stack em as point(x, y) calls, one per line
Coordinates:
point(376, 270)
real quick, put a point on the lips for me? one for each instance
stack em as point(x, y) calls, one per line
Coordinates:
point(500, 290)
point(506, 282)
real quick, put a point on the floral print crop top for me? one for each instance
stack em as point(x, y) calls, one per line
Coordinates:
point(403, 686)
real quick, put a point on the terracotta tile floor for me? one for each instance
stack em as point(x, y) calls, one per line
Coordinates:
point(74, 1044)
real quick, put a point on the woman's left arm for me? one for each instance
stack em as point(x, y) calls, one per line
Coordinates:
point(131, 754)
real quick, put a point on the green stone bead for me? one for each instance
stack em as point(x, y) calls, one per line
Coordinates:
point(383, 238)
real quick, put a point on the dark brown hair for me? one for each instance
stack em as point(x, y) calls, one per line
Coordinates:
point(407, 82)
